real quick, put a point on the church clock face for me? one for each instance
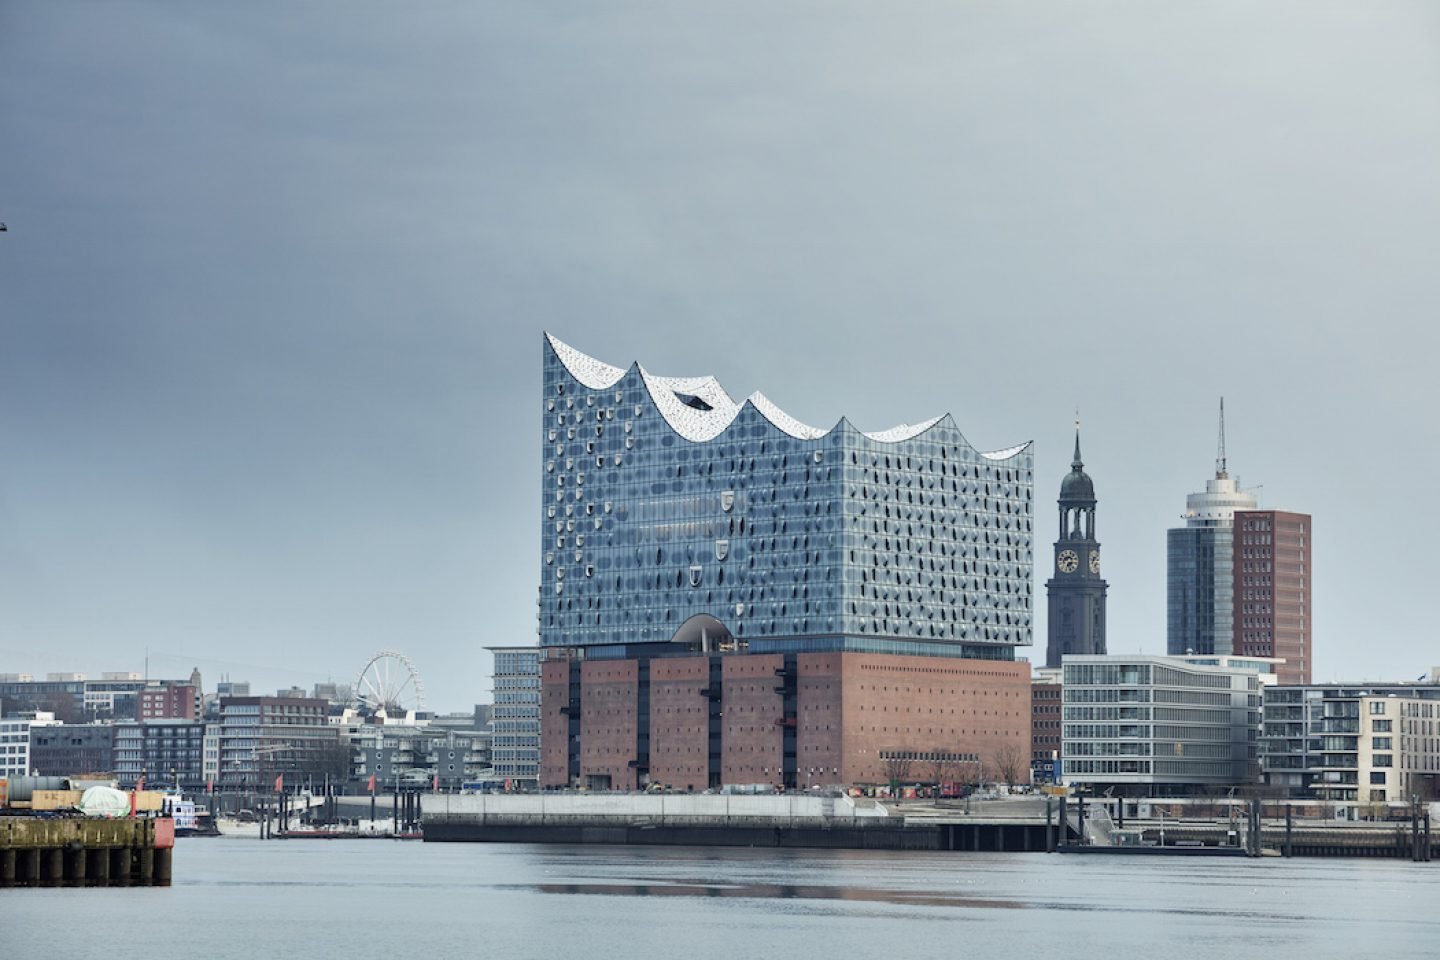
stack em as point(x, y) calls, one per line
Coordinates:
point(1094, 561)
point(1068, 562)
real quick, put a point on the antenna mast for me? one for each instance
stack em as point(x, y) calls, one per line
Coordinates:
point(1220, 471)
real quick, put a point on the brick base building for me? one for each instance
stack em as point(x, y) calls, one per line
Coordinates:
point(789, 721)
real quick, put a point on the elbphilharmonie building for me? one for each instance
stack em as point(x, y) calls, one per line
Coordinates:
point(681, 527)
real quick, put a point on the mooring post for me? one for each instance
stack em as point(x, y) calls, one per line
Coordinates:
point(1064, 826)
point(99, 868)
point(30, 867)
point(120, 866)
point(147, 866)
point(75, 872)
point(1049, 825)
point(1415, 829)
point(1289, 828)
point(163, 866)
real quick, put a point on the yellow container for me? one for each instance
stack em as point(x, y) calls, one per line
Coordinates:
point(54, 799)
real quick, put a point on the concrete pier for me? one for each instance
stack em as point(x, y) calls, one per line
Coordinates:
point(82, 852)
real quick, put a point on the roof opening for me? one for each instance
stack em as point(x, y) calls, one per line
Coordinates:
point(690, 400)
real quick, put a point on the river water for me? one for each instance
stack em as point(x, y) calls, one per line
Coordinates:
point(359, 899)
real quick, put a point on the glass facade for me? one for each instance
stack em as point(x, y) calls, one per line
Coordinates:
point(1200, 569)
point(515, 722)
point(669, 513)
point(1175, 723)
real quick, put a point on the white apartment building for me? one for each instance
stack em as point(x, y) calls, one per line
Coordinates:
point(1353, 743)
point(15, 743)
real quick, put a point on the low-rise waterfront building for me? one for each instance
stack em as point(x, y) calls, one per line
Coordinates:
point(15, 735)
point(261, 738)
point(414, 755)
point(63, 750)
point(1158, 725)
point(1045, 722)
point(162, 752)
point(1370, 743)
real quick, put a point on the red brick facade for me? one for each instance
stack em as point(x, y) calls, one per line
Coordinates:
point(849, 712)
point(926, 704)
point(1045, 704)
point(752, 729)
point(680, 722)
point(554, 723)
point(169, 701)
point(609, 694)
point(1272, 595)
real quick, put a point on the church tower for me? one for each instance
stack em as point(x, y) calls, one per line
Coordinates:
point(1076, 592)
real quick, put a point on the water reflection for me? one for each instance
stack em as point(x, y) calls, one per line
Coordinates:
point(769, 891)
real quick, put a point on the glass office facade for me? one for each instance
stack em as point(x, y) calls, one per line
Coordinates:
point(672, 513)
point(1137, 721)
point(515, 722)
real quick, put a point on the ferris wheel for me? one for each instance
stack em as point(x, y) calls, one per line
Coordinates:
point(389, 685)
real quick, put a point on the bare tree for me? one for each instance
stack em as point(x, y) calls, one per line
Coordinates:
point(1009, 764)
point(943, 768)
point(897, 764)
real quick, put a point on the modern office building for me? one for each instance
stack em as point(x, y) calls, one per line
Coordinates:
point(168, 753)
point(1353, 742)
point(260, 738)
point(1146, 725)
point(515, 717)
point(69, 749)
point(1272, 597)
point(731, 596)
point(1075, 590)
point(1200, 564)
point(72, 698)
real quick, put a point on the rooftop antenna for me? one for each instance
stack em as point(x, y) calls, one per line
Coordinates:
point(1220, 472)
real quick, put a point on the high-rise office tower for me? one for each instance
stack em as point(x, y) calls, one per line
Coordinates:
point(1076, 591)
point(1272, 603)
point(1200, 564)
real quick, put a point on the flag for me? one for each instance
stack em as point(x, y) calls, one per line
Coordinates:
point(1422, 676)
point(140, 784)
point(280, 783)
point(372, 783)
point(210, 786)
point(435, 784)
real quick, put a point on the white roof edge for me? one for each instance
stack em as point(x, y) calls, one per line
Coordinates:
point(783, 420)
point(1005, 454)
point(903, 431)
point(591, 373)
point(700, 426)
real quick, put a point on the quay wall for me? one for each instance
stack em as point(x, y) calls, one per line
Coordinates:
point(669, 819)
point(85, 852)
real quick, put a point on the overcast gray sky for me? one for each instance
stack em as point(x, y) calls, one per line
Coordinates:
point(273, 288)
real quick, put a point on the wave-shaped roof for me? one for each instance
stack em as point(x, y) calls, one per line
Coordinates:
point(699, 408)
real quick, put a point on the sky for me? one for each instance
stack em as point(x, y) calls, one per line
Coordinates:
point(275, 278)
